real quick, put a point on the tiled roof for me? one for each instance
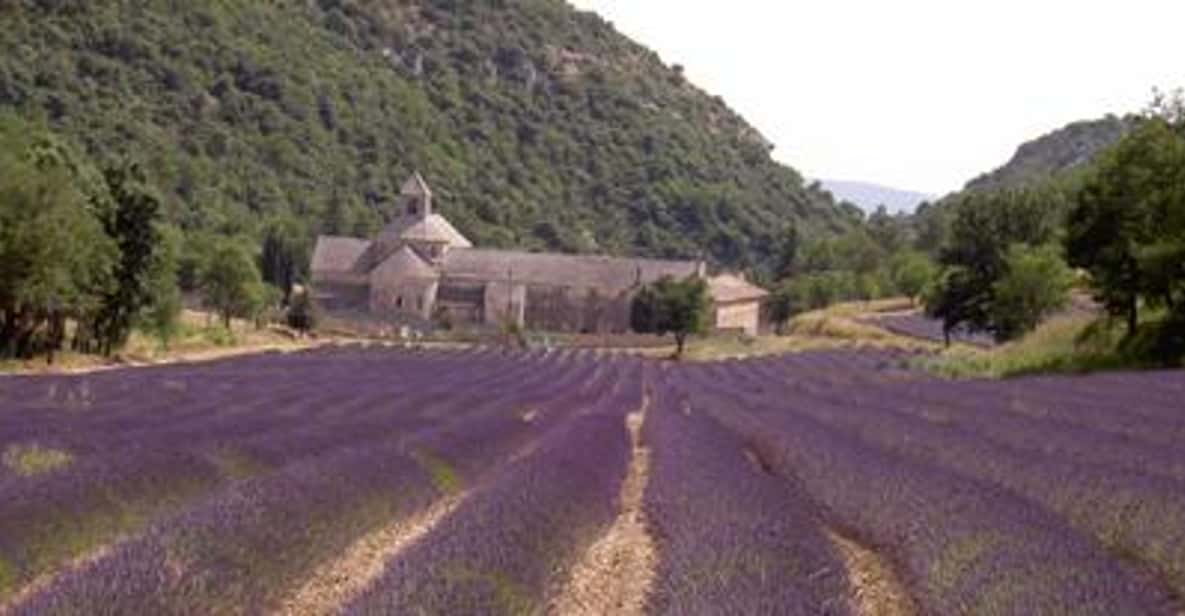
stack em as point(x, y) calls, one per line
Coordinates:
point(434, 228)
point(727, 288)
point(608, 275)
point(337, 254)
point(415, 185)
point(405, 263)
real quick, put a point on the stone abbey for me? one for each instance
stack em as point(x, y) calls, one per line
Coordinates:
point(420, 268)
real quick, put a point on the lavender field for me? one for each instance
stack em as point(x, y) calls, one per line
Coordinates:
point(916, 325)
point(375, 481)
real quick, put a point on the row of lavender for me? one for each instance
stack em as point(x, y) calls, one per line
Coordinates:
point(234, 497)
point(1046, 495)
point(917, 325)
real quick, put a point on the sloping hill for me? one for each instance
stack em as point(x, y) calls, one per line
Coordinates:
point(870, 196)
point(539, 126)
point(1068, 148)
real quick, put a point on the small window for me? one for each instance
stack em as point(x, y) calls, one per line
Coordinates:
point(399, 301)
point(413, 207)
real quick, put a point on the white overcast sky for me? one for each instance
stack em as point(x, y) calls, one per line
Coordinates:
point(915, 94)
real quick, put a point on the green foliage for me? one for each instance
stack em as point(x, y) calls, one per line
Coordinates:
point(1060, 153)
point(285, 256)
point(1159, 341)
point(886, 230)
point(678, 307)
point(912, 273)
point(56, 262)
point(231, 282)
point(855, 265)
point(302, 315)
point(540, 126)
point(1036, 283)
point(983, 228)
point(788, 252)
point(130, 218)
point(33, 460)
point(786, 301)
point(161, 315)
point(1128, 228)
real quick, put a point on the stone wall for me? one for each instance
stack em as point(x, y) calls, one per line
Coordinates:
point(411, 297)
point(505, 302)
point(739, 316)
point(341, 296)
point(576, 310)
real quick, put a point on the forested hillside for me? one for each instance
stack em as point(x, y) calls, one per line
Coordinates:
point(539, 126)
point(1071, 147)
point(1053, 164)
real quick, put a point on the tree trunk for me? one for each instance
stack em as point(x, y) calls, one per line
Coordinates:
point(1133, 315)
point(680, 339)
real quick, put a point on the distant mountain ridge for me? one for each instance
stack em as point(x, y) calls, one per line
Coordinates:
point(1063, 150)
point(869, 196)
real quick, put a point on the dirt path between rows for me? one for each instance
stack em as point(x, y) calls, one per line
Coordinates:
point(617, 572)
point(48, 579)
point(876, 589)
point(337, 582)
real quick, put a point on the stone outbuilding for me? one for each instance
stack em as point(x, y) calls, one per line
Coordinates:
point(420, 268)
point(736, 303)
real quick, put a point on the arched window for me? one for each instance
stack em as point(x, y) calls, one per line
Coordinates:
point(413, 207)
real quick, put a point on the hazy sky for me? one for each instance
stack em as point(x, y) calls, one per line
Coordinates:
point(916, 94)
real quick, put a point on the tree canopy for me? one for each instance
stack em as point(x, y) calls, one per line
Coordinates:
point(231, 281)
point(984, 227)
point(1128, 229)
point(672, 306)
point(56, 262)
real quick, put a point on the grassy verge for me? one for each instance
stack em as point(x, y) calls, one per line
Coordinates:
point(199, 338)
point(836, 327)
point(1062, 345)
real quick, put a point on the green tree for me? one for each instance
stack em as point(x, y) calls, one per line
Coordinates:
point(301, 312)
point(1036, 283)
point(1128, 227)
point(982, 229)
point(787, 300)
point(678, 307)
point(886, 230)
point(912, 272)
point(130, 217)
point(231, 282)
point(955, 299)
point(285, 255)
point(55, 260)
point(162, 313)
point(788, 249)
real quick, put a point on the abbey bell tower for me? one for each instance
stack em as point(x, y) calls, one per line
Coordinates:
point(415, 198)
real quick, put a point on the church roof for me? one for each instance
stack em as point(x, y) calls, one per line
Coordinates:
point(405, 263)
point(727, 288)
point(337, 254)
point(606, 274)
point(415, 185)
point(434, 228)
